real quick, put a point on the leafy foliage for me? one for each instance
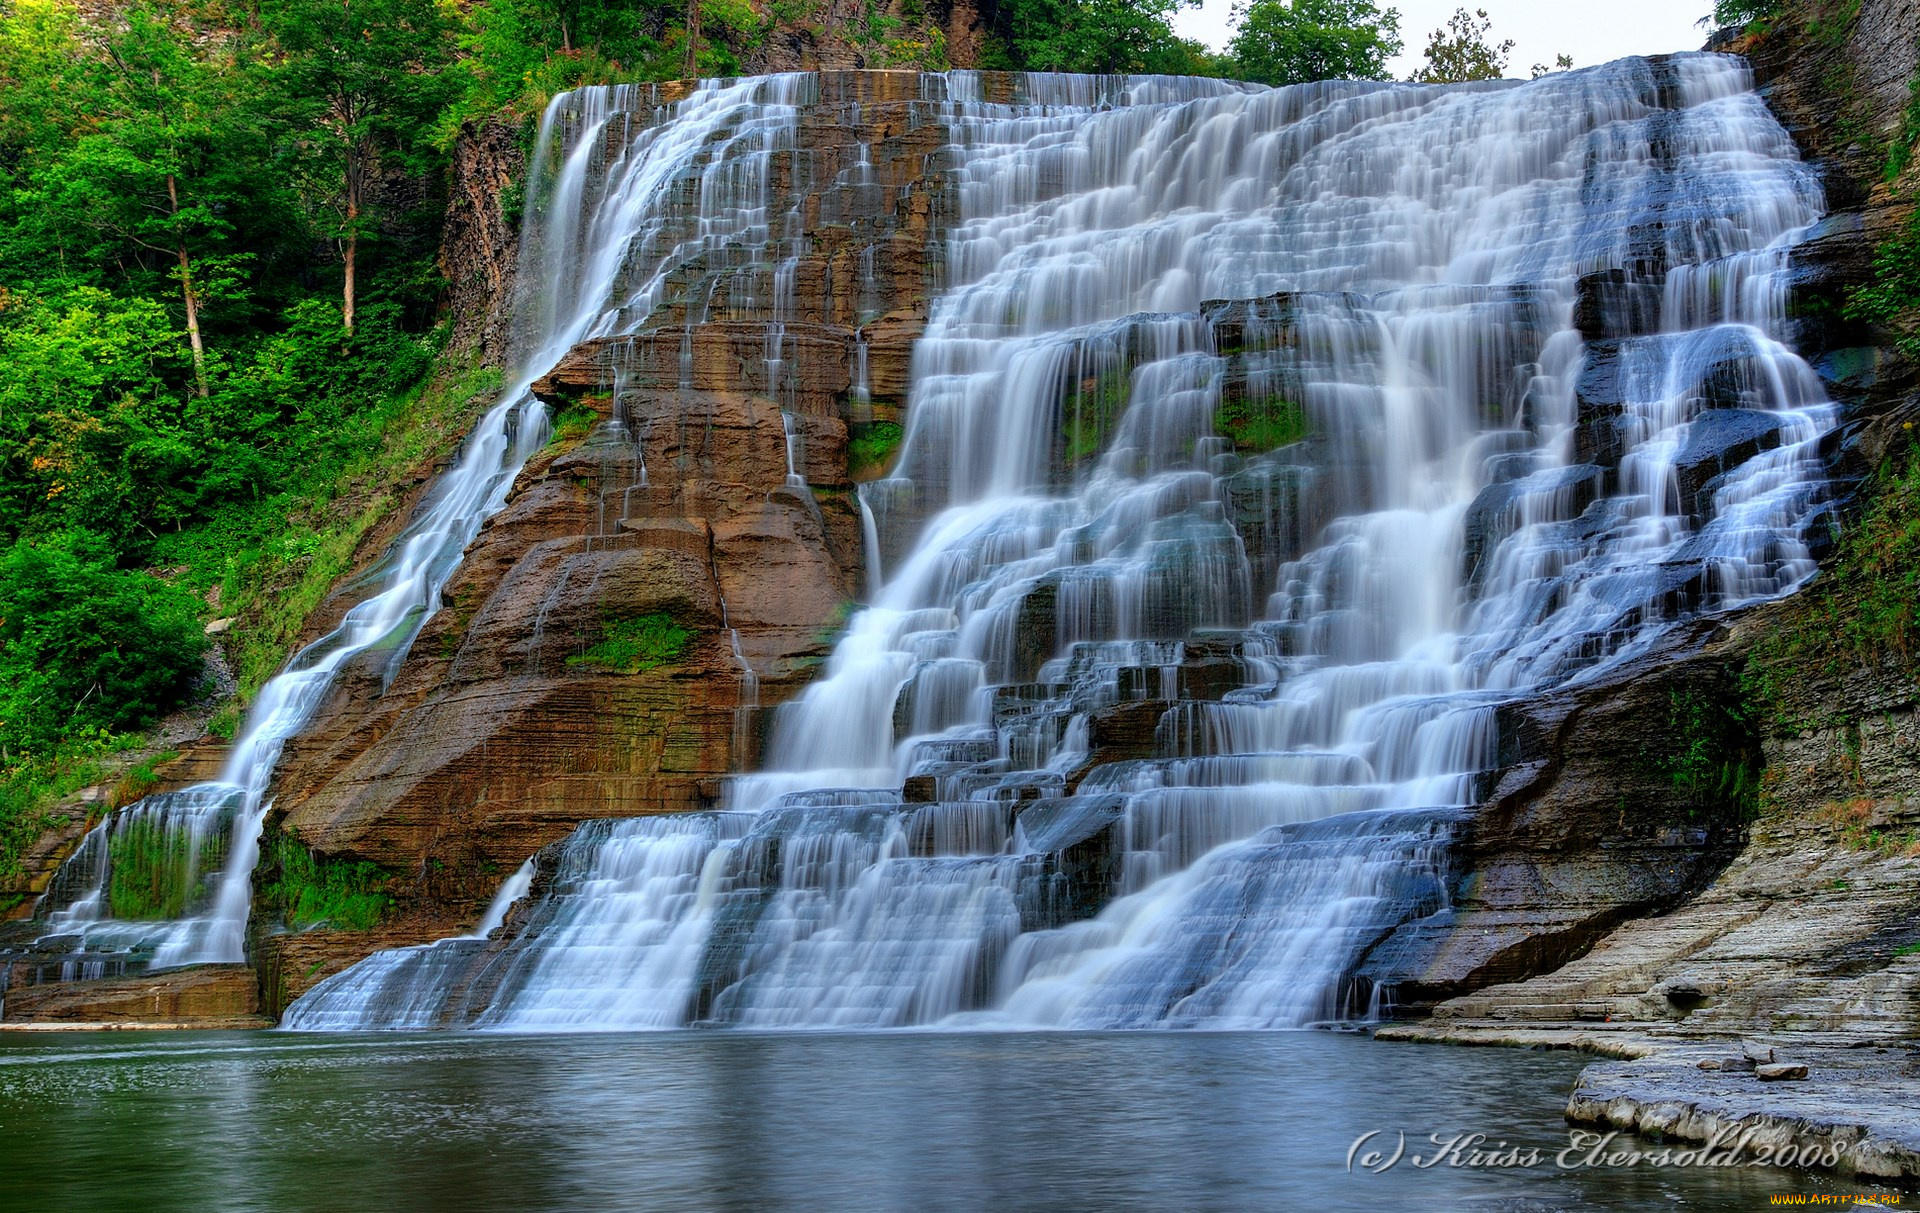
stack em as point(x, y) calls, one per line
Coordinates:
point(1900, 155)
point(630, 646)
point(1281, 42)
point(308, 890)
point(83, 644)
point(1863, 612)
point(870, 452)
point(1462, 52)
point(1102, 36)
point(1744, 14)
point(32, 784)
point(1892, 297)
point(1713, 753)
point(571, 425)
point(518, 53)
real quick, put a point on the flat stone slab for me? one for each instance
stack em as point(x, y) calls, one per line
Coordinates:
point(200, 996)
point(251, 1023)
point(1856, 1111)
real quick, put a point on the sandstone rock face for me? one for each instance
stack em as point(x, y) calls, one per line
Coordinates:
point(700, 479)
point(478, 244)
point(210, 996)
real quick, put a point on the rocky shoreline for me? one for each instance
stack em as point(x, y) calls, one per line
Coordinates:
point(1846, 1115)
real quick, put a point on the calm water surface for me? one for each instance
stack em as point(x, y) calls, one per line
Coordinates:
point(705, 1120)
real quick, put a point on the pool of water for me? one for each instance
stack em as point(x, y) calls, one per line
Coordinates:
point(724, 1121)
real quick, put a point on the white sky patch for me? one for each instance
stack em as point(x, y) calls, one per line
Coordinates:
point(1540, 29)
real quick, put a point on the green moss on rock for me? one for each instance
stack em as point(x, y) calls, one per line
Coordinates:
point(629, 646)
point(307, 890)
point(1261, 425)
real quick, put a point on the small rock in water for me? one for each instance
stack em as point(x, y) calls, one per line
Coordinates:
point(1780, 1071)
point(1745, 1064)
point(1711, 1063)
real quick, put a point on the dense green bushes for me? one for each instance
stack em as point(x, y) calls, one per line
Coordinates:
point(1862, 614)
point(86, 645)
point(1095, 36)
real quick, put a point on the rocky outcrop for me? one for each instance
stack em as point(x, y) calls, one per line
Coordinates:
point(697, 490)
point(1807, 945)
point(210, 996)
point(1593, 820)
point(1838, 75)
point(479, 240)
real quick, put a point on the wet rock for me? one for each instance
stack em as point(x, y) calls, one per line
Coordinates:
point(1614, 303)
point(1780, 1071)
point(1557, 494)
point(1580, 831)
point(1718, 441)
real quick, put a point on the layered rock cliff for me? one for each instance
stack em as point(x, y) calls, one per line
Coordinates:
point(1807, 947)
point(697, 484)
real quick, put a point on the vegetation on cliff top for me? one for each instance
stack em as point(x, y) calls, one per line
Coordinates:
point(1314, 40)
point(1863, 613)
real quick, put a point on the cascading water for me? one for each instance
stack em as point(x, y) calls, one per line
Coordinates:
point(608, 209)
point(1171, 712)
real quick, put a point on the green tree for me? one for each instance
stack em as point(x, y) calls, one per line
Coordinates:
point(1462, 52)
point(1742, 14)
point(87, 435)
point(163, 170)
point(1100, 36)
point(360, 81)
point(1281, 42)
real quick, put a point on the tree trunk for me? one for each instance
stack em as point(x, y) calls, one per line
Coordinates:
point(354, 172)
point(193, 304)
point(353, 249)
point(693, 39)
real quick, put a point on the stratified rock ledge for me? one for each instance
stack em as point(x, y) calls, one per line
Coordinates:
point(1856, 1113)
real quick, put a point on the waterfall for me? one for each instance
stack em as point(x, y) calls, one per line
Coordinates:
point(1265, 441)
point(602, 236)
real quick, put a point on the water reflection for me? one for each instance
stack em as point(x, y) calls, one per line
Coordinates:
point(713, 1121)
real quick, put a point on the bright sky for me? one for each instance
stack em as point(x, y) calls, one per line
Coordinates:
point(1590, 32)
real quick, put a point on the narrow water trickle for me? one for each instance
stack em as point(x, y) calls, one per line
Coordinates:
point(1260, 443)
